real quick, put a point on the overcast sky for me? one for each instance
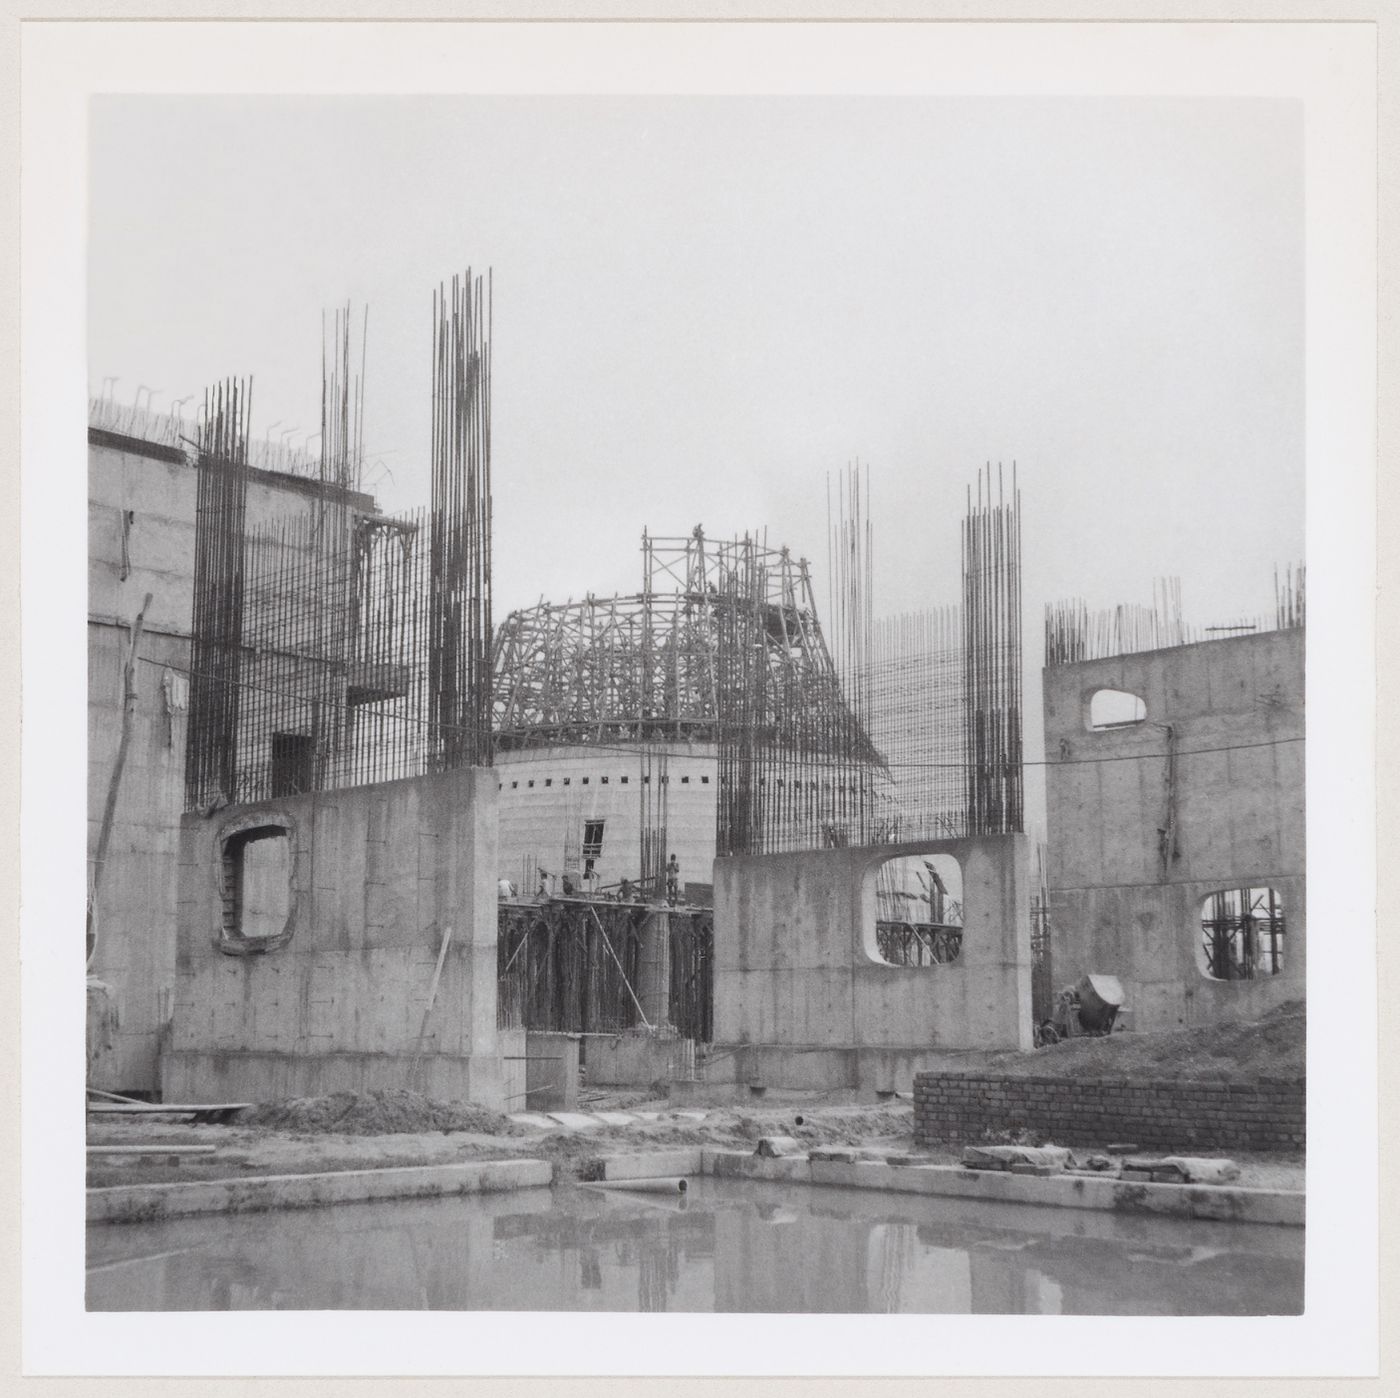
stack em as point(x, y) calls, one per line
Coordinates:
point(704, 306)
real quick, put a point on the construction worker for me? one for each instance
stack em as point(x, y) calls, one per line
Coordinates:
point(673, 879)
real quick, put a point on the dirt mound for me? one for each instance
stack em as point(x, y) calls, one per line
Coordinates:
point(818, 1127)
point(381, 1113)
point(1272, 1047)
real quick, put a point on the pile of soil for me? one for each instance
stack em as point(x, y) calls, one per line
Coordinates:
point(1268, 1049)
point(377, 1114)
point(828, 1128)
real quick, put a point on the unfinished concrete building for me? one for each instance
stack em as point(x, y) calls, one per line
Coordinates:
point(143, 488)
point(1175, 807)
point(339, 845)
point(322, 715)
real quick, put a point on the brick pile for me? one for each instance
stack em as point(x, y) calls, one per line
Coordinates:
point(1173, 1114)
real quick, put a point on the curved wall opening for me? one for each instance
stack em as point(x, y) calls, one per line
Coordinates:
point(1115, 708)
point(918, 910)
point(1242, 934)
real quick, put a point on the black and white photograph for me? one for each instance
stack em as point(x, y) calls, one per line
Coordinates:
point(700, 702)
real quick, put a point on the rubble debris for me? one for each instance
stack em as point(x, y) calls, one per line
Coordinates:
point(771, 1147)
point(1181, 1169)
point(1052, 1159)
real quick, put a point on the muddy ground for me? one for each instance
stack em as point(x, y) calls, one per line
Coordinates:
point(347, 1131)
point(380, 1130)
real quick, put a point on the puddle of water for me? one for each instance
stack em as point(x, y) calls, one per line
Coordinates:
point(725, 1246)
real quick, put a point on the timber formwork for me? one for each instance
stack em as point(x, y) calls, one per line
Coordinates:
point(588, 965)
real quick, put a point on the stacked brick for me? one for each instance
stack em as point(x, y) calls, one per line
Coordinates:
point(1171, 1115)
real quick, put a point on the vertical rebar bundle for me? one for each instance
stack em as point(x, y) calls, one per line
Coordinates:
point(335, 668)
point(1074, 633)
point(334, 646)
point(653, 796)
point(850, 573)
point(1290, 598)
point(216, 642)
point(796, 766)
point(915, 693)
point(460, 637)
point(991, 561)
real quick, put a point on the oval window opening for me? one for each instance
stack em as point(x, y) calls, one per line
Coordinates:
point(1115, 708)
point(919, 910)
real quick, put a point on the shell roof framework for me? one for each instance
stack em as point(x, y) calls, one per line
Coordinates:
point(660, 664)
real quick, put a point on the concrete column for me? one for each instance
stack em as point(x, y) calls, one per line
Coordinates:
point(654, 974)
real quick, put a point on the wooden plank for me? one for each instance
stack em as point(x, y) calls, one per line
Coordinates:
point(149, 1148)
point(211, 1112)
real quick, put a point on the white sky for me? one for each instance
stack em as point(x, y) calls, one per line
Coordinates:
point(705, 305)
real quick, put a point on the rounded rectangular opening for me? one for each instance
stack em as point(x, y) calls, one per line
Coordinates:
point(255, 887)
point(918, 911)
point(1242, 932)
point(1115, 708)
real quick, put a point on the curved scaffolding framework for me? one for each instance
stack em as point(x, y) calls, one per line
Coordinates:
point(651, 665)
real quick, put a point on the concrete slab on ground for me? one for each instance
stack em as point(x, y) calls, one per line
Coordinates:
point(142, 1203)
point(658, 1164)
point(1219, 1202)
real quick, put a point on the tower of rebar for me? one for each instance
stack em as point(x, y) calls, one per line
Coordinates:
point(333, 645)
point(460, 637)
point(991, 617)
point(216, 644)
point(916, 720)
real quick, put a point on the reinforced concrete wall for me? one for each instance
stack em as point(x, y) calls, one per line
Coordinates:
point(336, 999)
point(141, 520)
point(1235, 709)
point(802, 998)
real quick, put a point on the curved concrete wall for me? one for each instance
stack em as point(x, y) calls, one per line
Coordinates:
point(546, 795)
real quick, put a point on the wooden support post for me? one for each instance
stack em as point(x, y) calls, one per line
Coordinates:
point(428, 1008)
point(104, 837)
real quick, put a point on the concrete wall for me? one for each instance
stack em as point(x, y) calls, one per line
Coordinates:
point(378, 872)
point(803, 996)
point(148, 492)
point(548, 793)
point(1238, 703)
point(635, 1059)
point(551, 1073)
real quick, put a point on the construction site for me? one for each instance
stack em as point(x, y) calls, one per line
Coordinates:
point(722, 843)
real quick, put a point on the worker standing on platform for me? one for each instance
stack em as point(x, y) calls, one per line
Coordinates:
point(673, 880)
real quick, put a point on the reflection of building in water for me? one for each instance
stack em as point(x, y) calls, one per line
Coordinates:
point(785, 1263)
point(770, 1249)
point(658, 1270)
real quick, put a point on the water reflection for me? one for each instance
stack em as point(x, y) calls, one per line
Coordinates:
point(724, 1247)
